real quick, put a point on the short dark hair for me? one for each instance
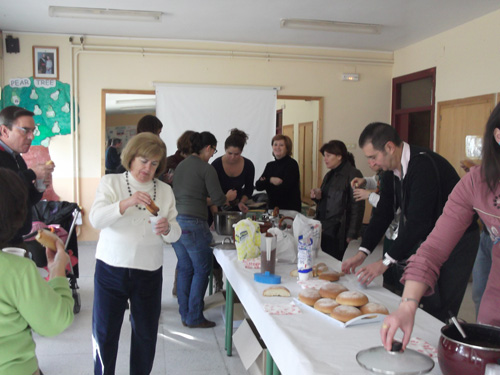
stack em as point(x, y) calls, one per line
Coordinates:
point(378, 134)
point(184, 143)
point(337, 148)
point(13, 204)
point(9, 115)
point(490, 167)
point(201, 140)
point(237, 138)
point(116, 141)
point(288, 142)
point(149, 124)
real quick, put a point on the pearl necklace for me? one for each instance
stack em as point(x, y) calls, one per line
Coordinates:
point(130, 191)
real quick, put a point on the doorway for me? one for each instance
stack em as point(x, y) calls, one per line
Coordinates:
point(413, 107)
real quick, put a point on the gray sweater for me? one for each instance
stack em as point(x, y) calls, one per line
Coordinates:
point(195, 181)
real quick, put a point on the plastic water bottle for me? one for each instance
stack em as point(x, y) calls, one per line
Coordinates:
point(305, 258)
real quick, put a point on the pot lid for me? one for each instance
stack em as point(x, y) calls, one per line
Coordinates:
point(395, 362)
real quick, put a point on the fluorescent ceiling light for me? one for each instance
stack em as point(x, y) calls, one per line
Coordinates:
point(105, 14)
point(343, 27)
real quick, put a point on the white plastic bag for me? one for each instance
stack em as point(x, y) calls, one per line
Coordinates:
point(286, 246)
point(247, 239)
point(302, 225)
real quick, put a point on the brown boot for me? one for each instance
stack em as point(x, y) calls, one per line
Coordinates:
point(219, 284)
point(174, 288)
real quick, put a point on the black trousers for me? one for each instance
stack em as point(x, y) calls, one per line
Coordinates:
point(452, 282)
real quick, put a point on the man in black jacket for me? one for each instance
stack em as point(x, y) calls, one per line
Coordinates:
point(419, 185)
point(16, 134)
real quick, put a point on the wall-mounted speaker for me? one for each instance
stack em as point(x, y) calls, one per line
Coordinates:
point(11, 44)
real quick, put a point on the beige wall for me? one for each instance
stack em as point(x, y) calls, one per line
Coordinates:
point(466, 58)
point(348, 106)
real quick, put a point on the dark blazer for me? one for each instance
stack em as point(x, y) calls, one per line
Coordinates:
point(428, 182)
point(287, 195)
point(337, 205)
point(28, 176)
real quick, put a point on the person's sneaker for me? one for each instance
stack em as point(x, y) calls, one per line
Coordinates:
point(205, 324)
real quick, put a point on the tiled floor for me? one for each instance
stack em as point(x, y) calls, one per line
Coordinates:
point(180, 350)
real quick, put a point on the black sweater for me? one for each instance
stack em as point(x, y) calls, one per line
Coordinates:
point(28, 176)
point(287, 195)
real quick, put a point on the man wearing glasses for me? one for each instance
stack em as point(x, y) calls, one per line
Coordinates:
point(16, 134)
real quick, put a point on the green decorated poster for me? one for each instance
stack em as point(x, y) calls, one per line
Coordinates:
point(48, 99)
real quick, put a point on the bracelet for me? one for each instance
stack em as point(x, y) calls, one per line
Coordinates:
point(167, 232)
point(407, 299)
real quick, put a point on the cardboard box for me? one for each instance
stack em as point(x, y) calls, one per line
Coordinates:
point(251, 348)
point(219, 299)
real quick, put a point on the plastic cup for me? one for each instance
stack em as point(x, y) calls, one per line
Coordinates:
point(154, 220)
point(40, 185)
point(15, 251)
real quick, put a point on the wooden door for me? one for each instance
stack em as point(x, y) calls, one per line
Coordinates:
point(288, 130)
point(456, 120)
point(306, 160)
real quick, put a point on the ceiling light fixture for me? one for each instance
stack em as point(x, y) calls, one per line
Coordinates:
point(105, 14)
point(320, 25)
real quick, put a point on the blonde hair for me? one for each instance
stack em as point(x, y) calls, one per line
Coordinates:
point(147, 145)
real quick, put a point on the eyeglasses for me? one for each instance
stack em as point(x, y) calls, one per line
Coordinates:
point(215, 150)
point(25, 131)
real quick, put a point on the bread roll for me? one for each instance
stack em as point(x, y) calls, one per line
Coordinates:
point(294, 273)
point(331, 290)
point(321, 269)
point(374, 308)
point(153, 208)
point(276, 291)
point(329, 275)
point(309, 296)
point(325, 305)
point(47, 239)
point(352, 298)
point(345, 313)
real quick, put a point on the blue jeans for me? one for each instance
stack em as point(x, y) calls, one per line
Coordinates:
point(113, 287)
point(194, 262)
point(481, 269)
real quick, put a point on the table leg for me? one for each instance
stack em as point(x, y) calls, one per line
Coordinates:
point(229, 318)
point(276, 370)
point(271, 367)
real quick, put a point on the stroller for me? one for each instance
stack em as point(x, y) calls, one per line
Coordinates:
point(65, 214)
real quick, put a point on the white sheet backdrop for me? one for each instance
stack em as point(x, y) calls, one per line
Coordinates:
point(218, 109)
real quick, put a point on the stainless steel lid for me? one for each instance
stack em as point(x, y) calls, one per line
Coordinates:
point(395, 362)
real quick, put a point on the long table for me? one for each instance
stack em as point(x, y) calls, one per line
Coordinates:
point(302, 343)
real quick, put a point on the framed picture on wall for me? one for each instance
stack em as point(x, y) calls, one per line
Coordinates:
point(45, 62)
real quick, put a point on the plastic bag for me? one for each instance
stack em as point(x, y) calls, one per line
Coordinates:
point(247, 239)
point(286, 246)
point(302, 225)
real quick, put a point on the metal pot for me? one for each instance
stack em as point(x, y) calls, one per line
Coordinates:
point(223, 221)
point(470, 356)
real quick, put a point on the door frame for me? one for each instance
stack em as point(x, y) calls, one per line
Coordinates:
point(404, 114)
point(319, 141)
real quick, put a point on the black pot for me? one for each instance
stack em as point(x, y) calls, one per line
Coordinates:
point(469, 356)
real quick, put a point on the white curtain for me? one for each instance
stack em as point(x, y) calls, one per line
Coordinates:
point(218, 109)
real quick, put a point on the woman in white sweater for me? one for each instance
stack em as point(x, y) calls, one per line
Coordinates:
point(130, 255)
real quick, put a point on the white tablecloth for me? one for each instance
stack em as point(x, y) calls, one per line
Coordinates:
point(304, 344)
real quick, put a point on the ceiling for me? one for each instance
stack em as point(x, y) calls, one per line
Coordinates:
point(404, 22)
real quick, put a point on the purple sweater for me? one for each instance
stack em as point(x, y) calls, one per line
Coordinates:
point(470, 195)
